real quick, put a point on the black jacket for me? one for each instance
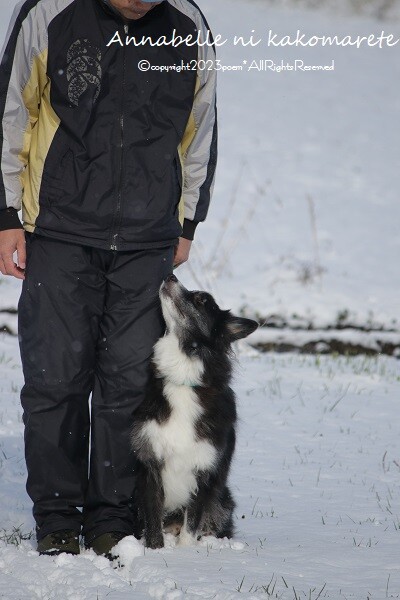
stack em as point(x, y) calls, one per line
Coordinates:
point(93, 149)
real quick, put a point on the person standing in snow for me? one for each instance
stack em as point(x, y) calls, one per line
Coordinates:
point(113, 166)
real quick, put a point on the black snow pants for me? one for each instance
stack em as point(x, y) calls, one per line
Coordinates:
point(87, 320)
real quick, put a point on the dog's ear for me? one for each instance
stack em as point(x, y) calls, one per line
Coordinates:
point(239, 327)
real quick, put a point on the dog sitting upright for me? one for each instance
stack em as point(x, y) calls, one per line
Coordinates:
point(184, 432)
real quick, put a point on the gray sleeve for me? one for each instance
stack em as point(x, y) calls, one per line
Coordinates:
point(15, 70)
point(200, 138)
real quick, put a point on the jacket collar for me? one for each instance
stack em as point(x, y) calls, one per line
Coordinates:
point(108, 4)
point(110, 9)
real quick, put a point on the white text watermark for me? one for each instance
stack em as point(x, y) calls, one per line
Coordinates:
point(271, 39)
point(246, 65)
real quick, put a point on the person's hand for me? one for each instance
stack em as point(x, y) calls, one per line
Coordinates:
point(12, 240)
point(182, 251)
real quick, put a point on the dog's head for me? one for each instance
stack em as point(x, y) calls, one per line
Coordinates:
point(197, 321)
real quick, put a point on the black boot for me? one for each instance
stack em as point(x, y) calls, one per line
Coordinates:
point(66, 540)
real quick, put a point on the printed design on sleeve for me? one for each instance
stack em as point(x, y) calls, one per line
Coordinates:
point(84, 70)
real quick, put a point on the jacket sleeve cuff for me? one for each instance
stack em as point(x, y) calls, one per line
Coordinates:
point(189, 228)
point(9, 219)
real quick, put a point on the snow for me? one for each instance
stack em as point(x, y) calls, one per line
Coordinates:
point(381, 9)
point(304, 218)
point(315, 477)
point(304, 225)
point(294, 144)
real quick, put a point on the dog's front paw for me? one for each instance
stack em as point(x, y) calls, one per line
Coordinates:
point(154, 541)
point(186, 538)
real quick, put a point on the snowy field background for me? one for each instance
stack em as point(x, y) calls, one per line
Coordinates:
point(303, 232)
point(316, 479)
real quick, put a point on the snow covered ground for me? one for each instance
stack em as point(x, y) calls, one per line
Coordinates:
point(316, 479)
point(304, 226)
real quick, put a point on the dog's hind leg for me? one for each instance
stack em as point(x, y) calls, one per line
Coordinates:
point(225, 527)
point(218, 515)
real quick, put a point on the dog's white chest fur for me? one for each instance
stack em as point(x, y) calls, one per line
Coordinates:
point(174, 441)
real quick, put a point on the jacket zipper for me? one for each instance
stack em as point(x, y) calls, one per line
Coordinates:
point(114, 237)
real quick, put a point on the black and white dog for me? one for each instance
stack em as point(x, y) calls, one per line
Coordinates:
point(184, 432)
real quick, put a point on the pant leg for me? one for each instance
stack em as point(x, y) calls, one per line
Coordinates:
point(132, 322)
point(59, 309)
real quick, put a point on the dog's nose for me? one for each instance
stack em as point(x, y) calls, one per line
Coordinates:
point(171, 277)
